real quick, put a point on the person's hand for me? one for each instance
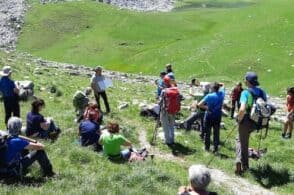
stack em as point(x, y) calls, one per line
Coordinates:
point(16, 90)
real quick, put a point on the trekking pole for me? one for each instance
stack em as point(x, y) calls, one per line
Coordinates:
point(227, 138)
point(156, 128)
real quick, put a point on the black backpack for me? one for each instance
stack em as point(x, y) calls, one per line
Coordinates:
point(261, 111)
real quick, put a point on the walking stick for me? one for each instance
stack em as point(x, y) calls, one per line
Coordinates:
point(228, 136)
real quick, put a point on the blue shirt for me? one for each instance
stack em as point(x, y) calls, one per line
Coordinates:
point(88, 131)
point(7, 86)
point(171, 75)
point(15, 146)
point(160, 85)
point(214, 102)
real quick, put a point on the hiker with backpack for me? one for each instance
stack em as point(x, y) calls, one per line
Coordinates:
point(212, 104)
point(160, 84)
point(37, 125)
point(89, 131)
point(10, 94)
point(80, 102)
point(98, 86)
point(16, 163)
point(288, 126)
point(245, 123)
point(235, 97)
point(170, 103)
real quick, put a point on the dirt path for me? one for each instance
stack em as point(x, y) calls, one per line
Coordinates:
point(236, 185)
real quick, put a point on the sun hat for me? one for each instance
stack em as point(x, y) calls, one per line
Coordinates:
point(6, 71)
point(252, 78)
point(97, 68)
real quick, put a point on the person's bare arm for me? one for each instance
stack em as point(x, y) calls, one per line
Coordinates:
point(35, 146)
point(242, 111)
point(202, 105)
point(45, 125)
point(127, 143)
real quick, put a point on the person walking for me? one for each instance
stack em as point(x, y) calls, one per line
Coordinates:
point(235, 97)
point(98, 86)
point(245, 124)
point(10, 93)
point(212, 103)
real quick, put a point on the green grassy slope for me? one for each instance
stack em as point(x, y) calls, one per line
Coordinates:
point(82, 171)
point(219, 42)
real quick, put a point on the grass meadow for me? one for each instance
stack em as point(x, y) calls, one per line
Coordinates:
point(207, 39)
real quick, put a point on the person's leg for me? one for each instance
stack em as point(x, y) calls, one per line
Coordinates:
point(104, 97)
point(244, 132)
point(97, 98)
point(8, 108)
point(125, 154)
point(208, 126)
point(16, 107)
point(216, 133)
point(171, 119)
point(165, 126)
point(42, 159)
point(233, 108)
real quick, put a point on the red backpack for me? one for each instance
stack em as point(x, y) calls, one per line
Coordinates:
point(172, 100)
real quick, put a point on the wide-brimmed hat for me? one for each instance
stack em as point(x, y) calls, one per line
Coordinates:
point(6, 71)
point(98, 68)
point(252, 78)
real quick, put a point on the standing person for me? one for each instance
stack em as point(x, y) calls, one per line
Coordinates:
point(170, 105)
point(98, 88)
point(160, 84)
point(16, 145)
point(245, 124)
point(212, 103)
point(235, 97)
point(288, 126)
point(10, 94)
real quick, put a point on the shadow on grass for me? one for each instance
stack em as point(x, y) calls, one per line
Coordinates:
point(269, 177)
point(213, 4)
point(26, 181)
point(180, 150)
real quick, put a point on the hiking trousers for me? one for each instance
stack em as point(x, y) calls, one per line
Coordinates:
point(41, 157)
point(234, 102)
point(209, 124)
point(192, 118)
point(104, 97)
point(11, 106)
point(242, 141)
point(168, 121)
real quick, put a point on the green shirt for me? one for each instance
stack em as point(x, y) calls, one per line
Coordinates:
point(111, 143)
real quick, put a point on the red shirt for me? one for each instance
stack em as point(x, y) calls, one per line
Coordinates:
point(290, 103)
point(236, 93)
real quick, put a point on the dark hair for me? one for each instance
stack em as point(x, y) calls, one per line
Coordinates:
point(36, 104)
point(113, 127)
point(162, 73)
point(290, 90)
point(215, 86)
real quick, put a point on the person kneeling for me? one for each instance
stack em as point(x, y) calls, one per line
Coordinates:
point(112, 142)
point(16, 145)
point(37, 125)
point(89, 131)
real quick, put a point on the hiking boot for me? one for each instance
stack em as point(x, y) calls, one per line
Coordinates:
point(283, 135)
point(288, 135)
point(238, 170)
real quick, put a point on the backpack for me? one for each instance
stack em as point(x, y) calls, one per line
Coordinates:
point(3, 148)
point(172, 100)
point(80, 100)
point(261, 111)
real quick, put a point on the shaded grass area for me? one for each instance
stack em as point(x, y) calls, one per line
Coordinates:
point(219, 41)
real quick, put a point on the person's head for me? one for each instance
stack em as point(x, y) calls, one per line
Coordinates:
point(162, 74)
point(215, 87)
point(290, 90)
point(14, 125)
point(6, 71)
point(251, 79)
point(194, 82)
point(167, 81)
point(88, 91)
point(113, 127)
point(92, 115)
point(168, 68)
point(199, 177)
point(239, 84)
point(93, 104)
point(98, 70)
point(38, 105)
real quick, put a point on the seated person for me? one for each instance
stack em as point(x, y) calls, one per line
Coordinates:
point(80, 102)
point(93, 107)
point(37, 125)
point(151, 110)
point(199, 177)
point(89, 131)
point(112, 142)
point(15, 147)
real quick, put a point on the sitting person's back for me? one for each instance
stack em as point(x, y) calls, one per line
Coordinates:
point(89, 130)
point(93, 107)
point(112, 141)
